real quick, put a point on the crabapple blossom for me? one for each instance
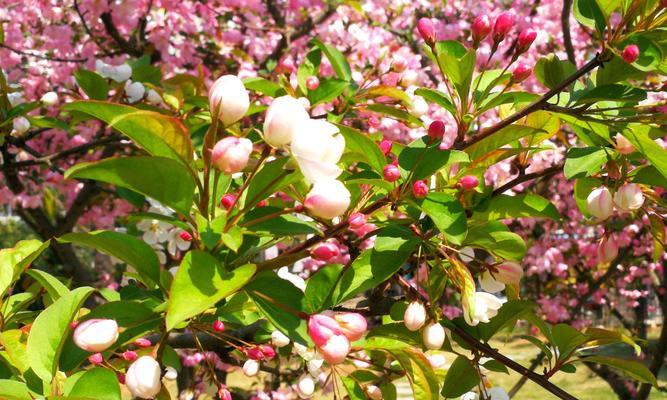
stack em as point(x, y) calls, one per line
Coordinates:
point(485, 307)
point(504, 24)
point(20, 125)
point(525, 39)
point(426, 29)
point(228, 201)
point(143, 377)
point(49, 99)
point(281, 120)
point(327, 199)
point(279, 339)
point(96, 335)
point(134, 91)
point(250, 367)
point(373, 392)
point(325, 251)
point(352, 325)
point(419, 106)
point(356, 220)
point(433, 336)
point(305, 386)
point(629, 197)
point(599, 203)
point(623, 145)
point(317, 147)
point(414, 316)
point(385, 146)
point(607, 249)
point(469, 182)
point(170, 374)
point(230, 155)
point(228, 99)
point(391, 173)
point(481, 27)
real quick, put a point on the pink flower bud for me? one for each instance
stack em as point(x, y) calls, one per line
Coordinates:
point(230, 155)
point(373, 121)
point(525, 39)
point(336, 349)
point(427, 30)
point(73, 324)
point(96, 335)
point(399, 64)
point(521, 73)
point(436, 130)
point(630, 53)
point(224, 393)
point(218, 326)
point(129, 355)
point(469, 182)
point(228, 201)
point(262, 203)
point(607, 249)
point(391, 173)
point(312, 82)
point(268, 352)
point(599, 203)
point(356, 220)
point(327, 199)
point(325, 251)
point(385, 146)
point(121, 377)
point(251, 368)
point(414, 316)
point(623, 145)
point(286, 66)
point(96, 359)
point(509, 273)
point(254, 353)
point(420, 189)
point(481, 27)
point(373, 392)
point(629, 197)
point(185, 235)
point(353, 325)
point(230, 98)
point(143, 378)
point(321, 328)
point(504, 24)
point(143, 342)
point(433, 336)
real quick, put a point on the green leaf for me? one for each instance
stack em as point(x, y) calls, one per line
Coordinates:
point(129, 249)
point(53, 286)
point(200, 283)
point(159, 134)
point(263, 86)
point(425, 158)
point(538, 343)
point(614, 92)
point(272, 177)
point(520, 206)
point(328, 90)
point(496, 238)
point(96, 383)
point(233, 238)
point(457, 64)
point(92, 84)
point(600, 337)
point(16, 259)
point(393, 246)
point(50, 330)
point(589, 14)
point(337, 59)
point(395, 113)
point(498, 139)
point(567, 339)
point(648, 175)
point(616, 70)
point(13, 342)
point(507, 98)
point(386, 91)
point(608, 6)
point(551, 70)
point(461, 377)
point(147, 74)
point(286, 224)
point(437, 97)
point(508, 315)
point(281, 303)
point(584, 161)
point(447, 214)
point(163, 179)
point(320, 286)
point(638, 135)
point(14, 390)
point(633, 369)
point(496, 366)
point(363, 148)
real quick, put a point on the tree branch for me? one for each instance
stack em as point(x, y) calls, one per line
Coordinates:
point(567, 36)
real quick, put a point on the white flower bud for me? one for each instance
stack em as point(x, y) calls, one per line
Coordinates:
point(629, 197)
point(170, 374)
point(20, 125)
point(49, 99)
point(433, 336)
point(250, 368)
point(414, 316)
point(599, 203)
point(281, 120)
point(229, 98)
point(143, 378)
point(279, 339)
point(96, 335)
point(305, 386)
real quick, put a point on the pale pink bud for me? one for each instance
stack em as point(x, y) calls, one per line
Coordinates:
point(436, 130)
point(281, 120)
point(481, 27)
point(623, 145)
point(509, 273)
point(373, 121)
point(399, 64)
point(218, 326)
point(607, 249)
point(129, 355)
point(96, 359)
point(230, 98)
point(228, 201)
point(143, 378)
point(305, 386)
point(279, 339)
point(327, 199)
point(385, 146)
point(504, 24)
point(630, 53)
point(521, 73)
point(20, 125)
point(420, 189)
point(312, 82)
point(251, 368)
point(353, 325)
point(325, 251)
point(525, 39)
point(629, 197)
point(599, 203)
point(373, 392)
point(414, 316)
point(335, 350)
point(96, 335)
point(433, 336)
point(224, 393)
point(391, 173)
point(427, 30)
point(469, 182)
point(321, 328)
point(356, 220)
point(230, 155)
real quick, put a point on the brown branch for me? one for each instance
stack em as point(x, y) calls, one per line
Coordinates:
point(42, 56)
point(567, 36)
point(526, 177)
